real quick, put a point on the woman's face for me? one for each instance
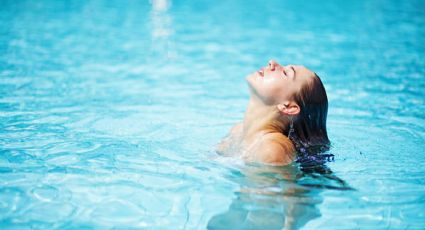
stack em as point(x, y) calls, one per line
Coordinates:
point(276, 84)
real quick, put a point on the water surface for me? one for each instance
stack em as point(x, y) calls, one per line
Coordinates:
point(109, 112)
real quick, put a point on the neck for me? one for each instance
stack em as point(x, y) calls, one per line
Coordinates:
point(261, 118)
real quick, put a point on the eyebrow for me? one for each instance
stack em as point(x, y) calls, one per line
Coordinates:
point(295, 72)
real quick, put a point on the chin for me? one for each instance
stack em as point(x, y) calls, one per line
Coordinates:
point(251, 78)
point(250, 82)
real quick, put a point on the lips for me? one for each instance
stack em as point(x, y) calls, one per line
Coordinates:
point(261, 72)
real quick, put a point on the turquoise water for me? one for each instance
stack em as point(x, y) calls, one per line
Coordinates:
point(109, 112)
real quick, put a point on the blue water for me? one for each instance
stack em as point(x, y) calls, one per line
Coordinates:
point(109, 112)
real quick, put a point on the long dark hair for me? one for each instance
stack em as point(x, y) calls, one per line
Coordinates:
point(309, 134)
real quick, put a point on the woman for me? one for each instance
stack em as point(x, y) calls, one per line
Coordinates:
point(285, 118)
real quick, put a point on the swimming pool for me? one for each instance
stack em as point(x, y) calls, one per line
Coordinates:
point(109, 112)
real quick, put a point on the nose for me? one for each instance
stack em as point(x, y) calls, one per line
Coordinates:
point(273, 64)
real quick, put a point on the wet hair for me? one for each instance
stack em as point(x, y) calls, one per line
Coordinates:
point(309, 135)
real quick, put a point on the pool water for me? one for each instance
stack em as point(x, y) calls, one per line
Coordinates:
point(110, 110)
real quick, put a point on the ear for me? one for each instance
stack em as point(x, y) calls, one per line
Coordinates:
point(289, 108)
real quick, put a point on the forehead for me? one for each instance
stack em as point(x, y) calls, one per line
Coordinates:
point(302, 75)
point(303, 72)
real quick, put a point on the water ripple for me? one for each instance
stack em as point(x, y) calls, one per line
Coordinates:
point(109, 113)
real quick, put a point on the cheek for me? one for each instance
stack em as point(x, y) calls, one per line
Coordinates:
point(270, 90)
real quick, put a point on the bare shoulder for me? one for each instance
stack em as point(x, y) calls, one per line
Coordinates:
point(275, 149)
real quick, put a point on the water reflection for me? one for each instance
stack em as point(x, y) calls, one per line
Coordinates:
point(277, 197)
point(161, 24)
